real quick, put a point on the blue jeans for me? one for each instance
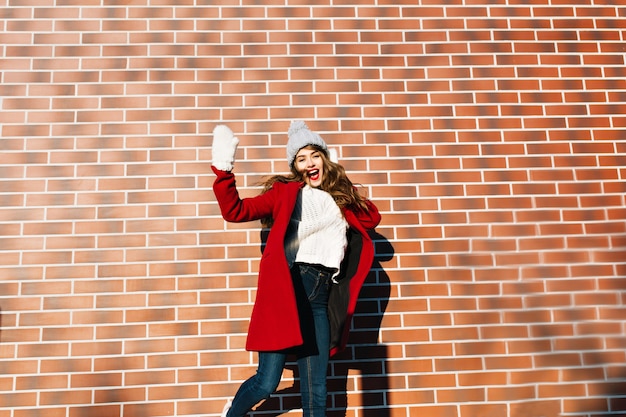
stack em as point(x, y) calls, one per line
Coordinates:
point(312, 285)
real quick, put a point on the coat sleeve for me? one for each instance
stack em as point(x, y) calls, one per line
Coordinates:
point(236, 209)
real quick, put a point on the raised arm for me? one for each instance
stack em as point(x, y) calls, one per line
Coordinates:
point(232, 207)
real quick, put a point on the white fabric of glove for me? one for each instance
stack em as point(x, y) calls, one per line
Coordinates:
point(224, 148)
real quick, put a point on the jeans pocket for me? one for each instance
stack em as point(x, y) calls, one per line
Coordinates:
point(311, 281)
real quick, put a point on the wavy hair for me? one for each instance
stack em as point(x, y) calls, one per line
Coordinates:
point(335, 182)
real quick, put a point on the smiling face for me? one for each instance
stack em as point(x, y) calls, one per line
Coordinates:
point(310, 164)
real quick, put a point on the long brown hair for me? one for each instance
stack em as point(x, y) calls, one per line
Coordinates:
point(335, 182)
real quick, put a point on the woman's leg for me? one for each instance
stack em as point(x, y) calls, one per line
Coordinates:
point(260, 386)
point(314, 367)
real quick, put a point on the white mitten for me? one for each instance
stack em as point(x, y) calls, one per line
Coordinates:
point(224, 148)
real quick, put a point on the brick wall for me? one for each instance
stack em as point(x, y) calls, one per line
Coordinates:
point(492, 136)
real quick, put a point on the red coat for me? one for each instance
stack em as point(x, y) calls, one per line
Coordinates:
point(274, 324)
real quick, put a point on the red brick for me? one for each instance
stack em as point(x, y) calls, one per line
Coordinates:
point(149, 377)
point(457, 364)
point(454, 334)
point(42, 381)
point(65, 397)
point(509, 362)
point(20, 399)
point(428, 349)
point(535, 408)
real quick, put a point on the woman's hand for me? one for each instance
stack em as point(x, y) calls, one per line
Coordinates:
point(224, 148)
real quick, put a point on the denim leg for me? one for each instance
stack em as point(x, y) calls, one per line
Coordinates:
point(313, 368)
point(260, 386)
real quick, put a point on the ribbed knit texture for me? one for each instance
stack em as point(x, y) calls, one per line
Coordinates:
point(317, 233)
point(300, 136)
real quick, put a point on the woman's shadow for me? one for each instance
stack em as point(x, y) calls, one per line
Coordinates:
point(364, 355)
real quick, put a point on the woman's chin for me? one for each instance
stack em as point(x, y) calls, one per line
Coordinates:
point(314, 183)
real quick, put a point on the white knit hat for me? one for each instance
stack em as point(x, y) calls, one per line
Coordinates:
point(299, 137)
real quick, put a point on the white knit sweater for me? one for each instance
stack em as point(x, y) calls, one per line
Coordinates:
point(317, 230)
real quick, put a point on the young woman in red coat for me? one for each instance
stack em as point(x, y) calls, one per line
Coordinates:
point(317, 255)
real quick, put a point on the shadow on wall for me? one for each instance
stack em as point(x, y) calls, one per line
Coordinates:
point(578, 369)
point(616, 394)
point(588, 359)
point(363, 354)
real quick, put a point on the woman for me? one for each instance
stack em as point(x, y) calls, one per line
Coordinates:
point(317, 255)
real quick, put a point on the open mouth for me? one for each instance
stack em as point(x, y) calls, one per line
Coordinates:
point(314, 174)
